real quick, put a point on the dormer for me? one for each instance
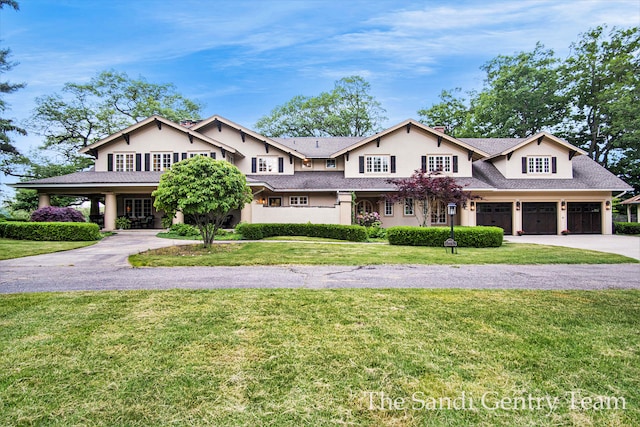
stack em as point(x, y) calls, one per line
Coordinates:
point(409, 146)
point(542, 156)
point(154, 144)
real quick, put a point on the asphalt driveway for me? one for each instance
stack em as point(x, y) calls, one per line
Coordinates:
point(104, 266)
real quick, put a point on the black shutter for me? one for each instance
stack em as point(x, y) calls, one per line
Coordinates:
point(147, 162)
point(554, 165)
point(524, 165)
point(424, 164)
point(280, 164)
point(361, 164)
point(213, 155)
point(455, 164)
point(110, 162)
point(138, 162)
point(254, 165)
point(184, 156)
point(393, 164)
point(176, 157)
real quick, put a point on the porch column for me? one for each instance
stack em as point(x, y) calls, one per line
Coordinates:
point(44, 200)
point(562, 218)
point(94, 210)
point(344, 204)
point(607, 217)
point(629, 213)
point(517, 217)
point(178, 218)
point(110, 211)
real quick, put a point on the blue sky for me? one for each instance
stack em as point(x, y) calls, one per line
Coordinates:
point(242, 58)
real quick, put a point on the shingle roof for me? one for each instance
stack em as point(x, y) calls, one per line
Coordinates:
point(92, 177)
point(587, 175)
point(318, 148)
point(492, 145)
point(336, 181)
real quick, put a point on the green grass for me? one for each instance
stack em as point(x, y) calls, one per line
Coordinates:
point(305, 357)
point(170, 235)
point(283, 253)
point(20, 248)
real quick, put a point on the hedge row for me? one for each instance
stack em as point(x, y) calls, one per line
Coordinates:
point(626, 227)
point(50, 231)
point(353, 233)
point(471, 237)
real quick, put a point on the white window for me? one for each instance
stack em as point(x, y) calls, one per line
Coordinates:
point(388, 208)
point(161, 161)
point(377, 164)
point(438, 212)
point(267, 164)
point(331, 164)
point(408, 206)
point(199, 153)
point(124, 162)
point(137, 208)
point(539, 164)
point(231, 159)
point(307, 163)
point(439, 164)
point(298, 201)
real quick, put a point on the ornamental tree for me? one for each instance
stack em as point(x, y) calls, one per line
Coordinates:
point(204, 190)
point(425, 189)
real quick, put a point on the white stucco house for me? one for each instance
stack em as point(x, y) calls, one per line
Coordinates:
point(539, 185)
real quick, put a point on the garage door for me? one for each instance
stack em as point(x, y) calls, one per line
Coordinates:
point(584, 218)
point(539, 218)
point(495, 214)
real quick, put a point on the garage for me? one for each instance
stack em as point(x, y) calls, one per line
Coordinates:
point(495, 214)
point(584, 218)
point(540, 218)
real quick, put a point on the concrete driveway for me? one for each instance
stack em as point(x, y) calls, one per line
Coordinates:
point(104, 266)
point(623, 245)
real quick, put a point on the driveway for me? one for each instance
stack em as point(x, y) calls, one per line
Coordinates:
point(622, 245)
point(104, 266)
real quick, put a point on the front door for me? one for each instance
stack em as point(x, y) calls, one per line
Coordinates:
point(584, 218)
point(539, 218)
point(495, 214)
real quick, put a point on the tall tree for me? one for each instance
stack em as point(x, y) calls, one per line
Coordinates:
point(348, 110)
point(6, 125)
point(452, 112)
point(602, 75)
point(205, 190)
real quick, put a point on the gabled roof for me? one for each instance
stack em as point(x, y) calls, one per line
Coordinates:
point(158, 121)
point(259, 137)
point(632, 201)
point(535, 138)
point(587, 175)
point(408, 124)
point(320, 147)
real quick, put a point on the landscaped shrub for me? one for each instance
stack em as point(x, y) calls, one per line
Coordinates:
point(626, 227)
point(57, 214)
point(368, 219)
point(474, 237)
point(185, 230)
point(50, 231)
point(353, 233)
point(123, 223)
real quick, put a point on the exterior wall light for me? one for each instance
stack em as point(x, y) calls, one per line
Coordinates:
point(472, 205)
point(563, 205)
point(518, 205)
point(607, 205)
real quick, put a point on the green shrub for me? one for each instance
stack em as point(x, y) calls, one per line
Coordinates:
point(123, 223)
point(353, 233)
point(376, 232)
point(185, 230)
point(473, 237)
point(626, 227)
point(50, 231)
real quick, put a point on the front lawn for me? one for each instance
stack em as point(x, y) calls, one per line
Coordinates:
point(332, 357)
point(343, 253)
point(10, 248)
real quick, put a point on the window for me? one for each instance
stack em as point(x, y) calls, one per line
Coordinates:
point(438, 212)
point(364, 206)
point(124, 162)
point(331, 164)
point(539, 164)
point(161, 161)
point(439, 164)
point(137, 208)
point(298, 201)
point(267, 164)
point(377, 164)
point(203, 153)
point(388, 208)
point(231, 159)
point(307, 163)
point(408, 206)
point(275, 202)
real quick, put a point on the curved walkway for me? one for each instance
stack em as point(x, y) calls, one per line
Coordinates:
point(104, 266)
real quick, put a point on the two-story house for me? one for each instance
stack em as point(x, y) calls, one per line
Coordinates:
point(540, 184)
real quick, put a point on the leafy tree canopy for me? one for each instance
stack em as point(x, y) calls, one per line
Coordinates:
point(204, 189)
point(348, 110)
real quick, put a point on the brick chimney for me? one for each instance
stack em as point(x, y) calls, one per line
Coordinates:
point(442, 129)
